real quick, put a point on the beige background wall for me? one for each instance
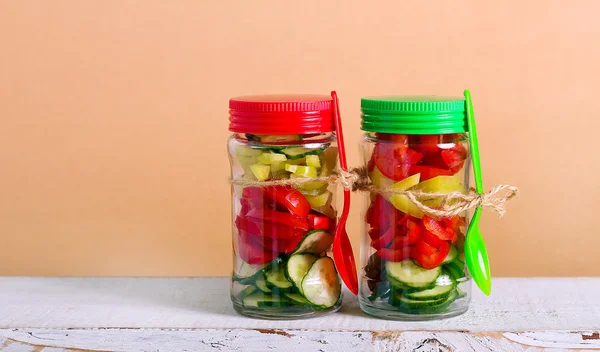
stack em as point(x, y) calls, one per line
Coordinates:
point(113, 119)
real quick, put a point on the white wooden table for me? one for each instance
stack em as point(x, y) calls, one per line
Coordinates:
point(195, 314)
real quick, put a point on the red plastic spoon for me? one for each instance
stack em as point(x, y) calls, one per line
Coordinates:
point(342, 249)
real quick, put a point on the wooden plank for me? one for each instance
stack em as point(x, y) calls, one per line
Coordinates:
point(533, 304)
point(289, 341)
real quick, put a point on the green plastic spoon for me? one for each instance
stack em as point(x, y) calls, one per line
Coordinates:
point(475, 250)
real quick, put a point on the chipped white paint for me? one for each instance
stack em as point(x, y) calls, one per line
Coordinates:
point(177, 314)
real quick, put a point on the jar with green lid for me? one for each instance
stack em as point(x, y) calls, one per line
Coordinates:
point(413, 264)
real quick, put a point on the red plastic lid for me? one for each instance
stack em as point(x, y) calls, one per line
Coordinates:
point(281, 114)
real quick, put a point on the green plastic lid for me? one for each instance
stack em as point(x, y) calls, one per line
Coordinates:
point(414, 114)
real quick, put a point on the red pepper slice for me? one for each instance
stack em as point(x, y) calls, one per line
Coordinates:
point(454, 156)
point(428, 256)
point(394, 255)
point(395, 160)
point(382, 214)
point(384, 240)
point(319, 222)
point(292, 199)
point(251, 251)
point(409, 235)
point(443, 233)
point(278, 217)
point(280, 245)
point(253, 197)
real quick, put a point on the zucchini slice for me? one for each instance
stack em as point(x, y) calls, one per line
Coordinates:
point(315, 242)
point(411, 275)
point(297, 267)
point(321, 285)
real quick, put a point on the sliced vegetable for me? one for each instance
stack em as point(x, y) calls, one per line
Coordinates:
point(439, 184)
point(292, 199)
point(276, 278)
point(261, 172)
point(252, 252)
point(445, 234)
point(321, 200)
point(301, 152)
point(259, 299)
point(296, 298)
point(271, 158)
point(278, 217)
point(410, 274)
point(315, 242)
point(246, 273)
point(321, 285)
point(319, 222)
point(401, 201)
point(313, 161)
point(379, 180)
point(427, 255)
point(261, 283)
point(297, 267)
point(435, 293)
point(394, 255)
point(302, 171)
point(452, 255)
point(455, 269)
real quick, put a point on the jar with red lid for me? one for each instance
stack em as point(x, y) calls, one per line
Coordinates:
point(413, 263)
point(283, 223)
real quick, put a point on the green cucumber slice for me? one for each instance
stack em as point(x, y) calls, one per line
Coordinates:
point(301, 152)
point(259, 299)
point(246, 273)
point(410, 274)
point(261, 283)
point(321, 285)
point(315, 242)
point(247, 291)
point(276, 278)
point(436, 293)
point(456, 269)
point(452, 254)
point(297, 267)
point(422, 306)
point(296, 298)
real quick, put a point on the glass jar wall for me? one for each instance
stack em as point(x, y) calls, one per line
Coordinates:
point(413, 265)
point(282, 233)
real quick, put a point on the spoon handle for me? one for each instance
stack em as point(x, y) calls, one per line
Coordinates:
point(474, 143)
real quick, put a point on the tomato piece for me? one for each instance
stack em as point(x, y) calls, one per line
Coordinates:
point(427, 144)
point(428, 172)
point(395, 138)
point(292, 199)
point(278, 217)
point(443, 233)
point(251, 251)
point(393, 158)
point(454, 156)
point(433, 160)
point(410, 234)
point(317, 222)
point(428, 256)
point(394, 255)
point(384, 240)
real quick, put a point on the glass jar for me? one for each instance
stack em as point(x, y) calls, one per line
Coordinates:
point(413, 263)
point(283, 222)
